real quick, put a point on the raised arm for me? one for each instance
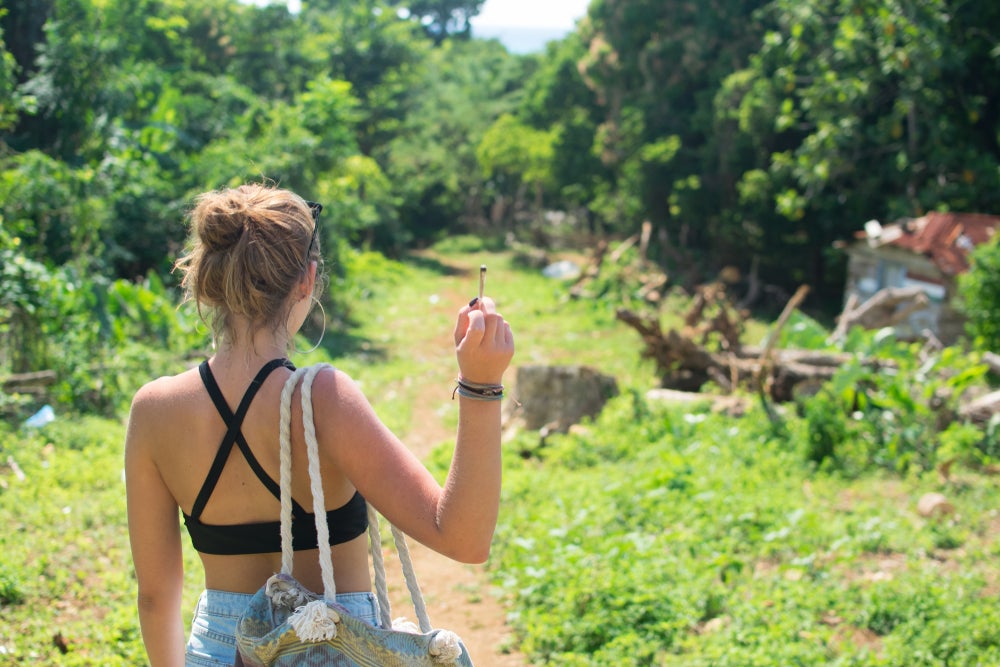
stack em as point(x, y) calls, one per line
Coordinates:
point(459, 518)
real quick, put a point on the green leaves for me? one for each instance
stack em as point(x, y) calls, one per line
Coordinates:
point(894, 407)
point(979, 290)
point(515, 151)
point(445, 18)
point(697, 539)
point(853, 113)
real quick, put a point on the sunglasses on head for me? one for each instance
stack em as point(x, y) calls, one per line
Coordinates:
point(314, 208)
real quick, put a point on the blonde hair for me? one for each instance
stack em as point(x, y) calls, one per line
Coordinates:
point(247, 251)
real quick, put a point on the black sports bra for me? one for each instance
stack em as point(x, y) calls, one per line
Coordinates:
point(346, 522)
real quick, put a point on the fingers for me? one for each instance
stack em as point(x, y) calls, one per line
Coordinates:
point(492, 322)
point(484, 341)
point(505, 335)
point(473, 328)
point(462, 324)
point(470, 313)
point(486, 304)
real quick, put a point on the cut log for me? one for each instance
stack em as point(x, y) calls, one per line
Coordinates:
point(887, 307)
point(685, 365)
point(27, 383)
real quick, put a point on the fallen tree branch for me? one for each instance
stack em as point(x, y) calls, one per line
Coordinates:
point(887, 307)
point(27, 383)
point(763, 378)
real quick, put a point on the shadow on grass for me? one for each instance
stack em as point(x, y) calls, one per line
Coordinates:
point(346, 344)
point(341, 338)
point(435, 265)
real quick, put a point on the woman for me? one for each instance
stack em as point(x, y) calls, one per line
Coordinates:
point(254, 264)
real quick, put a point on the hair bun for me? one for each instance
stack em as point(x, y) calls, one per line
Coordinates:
point(221, 218)
point(250, 249)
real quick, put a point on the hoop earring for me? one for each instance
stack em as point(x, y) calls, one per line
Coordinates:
point(321, 333)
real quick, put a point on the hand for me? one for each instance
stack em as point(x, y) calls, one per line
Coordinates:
point(484, 343)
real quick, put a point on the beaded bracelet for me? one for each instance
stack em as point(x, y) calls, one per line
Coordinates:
point(476, 391)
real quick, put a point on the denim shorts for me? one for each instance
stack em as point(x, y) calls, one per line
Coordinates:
point(213, 630)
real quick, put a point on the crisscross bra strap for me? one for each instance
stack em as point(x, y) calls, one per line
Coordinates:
point(234, 424)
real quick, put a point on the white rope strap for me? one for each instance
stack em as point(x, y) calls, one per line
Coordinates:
point(319, 509)
point(285, 471)
point(378, 565)
point(411, 580)
point(316, 486)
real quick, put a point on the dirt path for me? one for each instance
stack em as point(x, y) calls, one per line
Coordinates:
point(459, 597)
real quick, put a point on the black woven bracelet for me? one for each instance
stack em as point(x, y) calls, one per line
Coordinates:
point(481, 389)
point(465, 393)
point(476, 390)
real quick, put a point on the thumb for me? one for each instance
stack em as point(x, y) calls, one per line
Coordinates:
point(476, 330)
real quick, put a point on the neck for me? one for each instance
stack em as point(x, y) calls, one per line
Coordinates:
point(251, 353)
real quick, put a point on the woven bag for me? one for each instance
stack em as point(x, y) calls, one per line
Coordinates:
point(286, 624)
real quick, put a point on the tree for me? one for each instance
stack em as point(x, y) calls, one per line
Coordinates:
point(267, 57)
point(53, 210)
point(654, 68)
point(67, 81)
point(368, 45)
point(979, 294)
point(557, 98)
point(446, 18)
point(22, 22)
point(432, 162)
point(10, 99)
point(855, 110)
point(516, 160)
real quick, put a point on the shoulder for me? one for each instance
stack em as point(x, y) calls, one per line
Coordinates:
point(167, 390)
point(159, 401)
point(332, 386)
point(339, 401)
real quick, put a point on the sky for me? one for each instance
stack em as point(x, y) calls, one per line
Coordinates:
point(561, 14)
point(523, 26)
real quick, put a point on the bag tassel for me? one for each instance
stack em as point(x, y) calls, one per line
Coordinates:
point(315, 622)
point(445, 648)
point(286, 592)
point(401, 624)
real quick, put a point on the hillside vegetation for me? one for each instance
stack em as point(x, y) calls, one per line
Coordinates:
point(737, 138)
point(655, 535)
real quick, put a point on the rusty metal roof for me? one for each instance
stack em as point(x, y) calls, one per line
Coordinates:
point(944, 238)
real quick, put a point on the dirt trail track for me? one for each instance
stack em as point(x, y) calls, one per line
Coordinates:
point(459, 597)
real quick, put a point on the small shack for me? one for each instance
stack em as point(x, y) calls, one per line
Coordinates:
point(927, 253)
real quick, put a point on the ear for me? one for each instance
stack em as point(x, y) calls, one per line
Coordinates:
point(308, 283)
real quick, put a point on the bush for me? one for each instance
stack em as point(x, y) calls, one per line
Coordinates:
point(102, 338)
point(670, 536)
point(894, 407)
point(979, 289)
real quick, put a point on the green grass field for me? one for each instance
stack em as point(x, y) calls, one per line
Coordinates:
point(655, 535)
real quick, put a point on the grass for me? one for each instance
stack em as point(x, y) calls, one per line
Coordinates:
point(710, 542)
point(65, 571)
point(66, 584)
point(651, 536)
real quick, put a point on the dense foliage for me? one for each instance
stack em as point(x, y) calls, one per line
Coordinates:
point(980, 294)
point(751, 133)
